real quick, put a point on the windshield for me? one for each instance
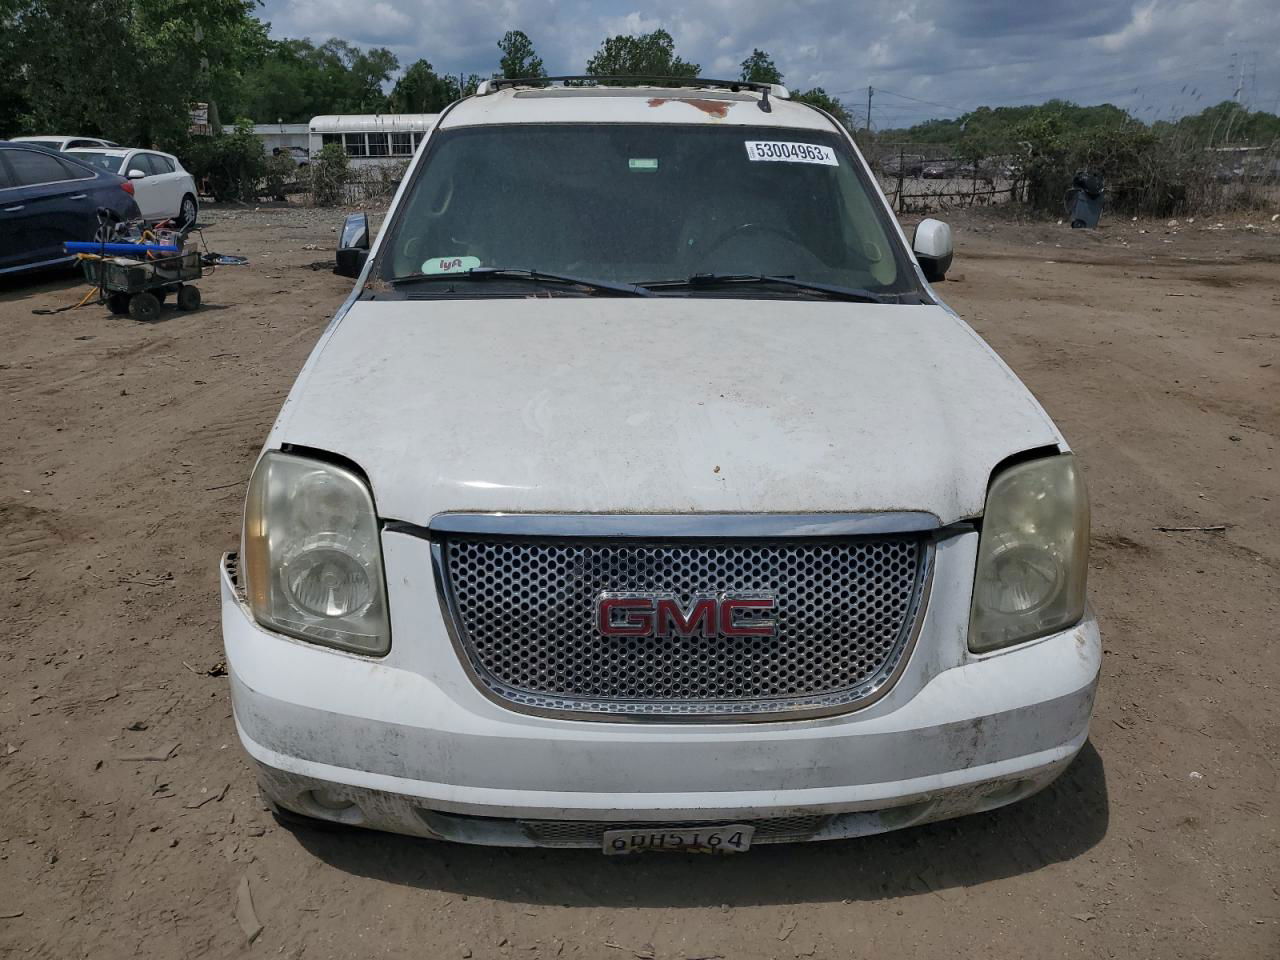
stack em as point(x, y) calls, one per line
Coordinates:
point(641, 203)
point(99, 161)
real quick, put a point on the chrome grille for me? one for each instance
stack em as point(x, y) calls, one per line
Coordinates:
point(523, 612)
point(590, 833)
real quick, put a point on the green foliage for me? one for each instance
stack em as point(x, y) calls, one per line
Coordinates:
point(1156, 170)
point(1142, 175)
point(328, 174)
point(124, 69)
point(279, 170)
point(231, 163)
point(648, 55)
point(422, 90)
point(296, 80)
point(1225, 123)
point(994, 130)
point(760, 68)
point(518, 57)
point(13, 88)
point(824, 101)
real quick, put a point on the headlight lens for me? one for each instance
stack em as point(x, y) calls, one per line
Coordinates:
point(1033, 557)
point(313, 563)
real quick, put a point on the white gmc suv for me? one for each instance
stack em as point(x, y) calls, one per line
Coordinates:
point(643, 495)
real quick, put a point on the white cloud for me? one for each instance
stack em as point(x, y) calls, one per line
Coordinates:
point(1140, 26)
point(961, 53)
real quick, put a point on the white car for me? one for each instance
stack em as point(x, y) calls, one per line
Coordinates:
point(644, 495)
point(59, 144)
point(163, 189)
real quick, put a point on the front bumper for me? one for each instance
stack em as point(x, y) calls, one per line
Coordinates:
point(413, 747)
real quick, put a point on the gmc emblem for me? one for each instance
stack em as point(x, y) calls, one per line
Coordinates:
point(662, 615)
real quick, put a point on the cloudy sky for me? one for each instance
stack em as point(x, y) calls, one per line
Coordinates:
point(925, 58)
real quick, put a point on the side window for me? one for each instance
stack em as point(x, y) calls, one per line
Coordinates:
point(82, 143)
point(6, 178)
point(377, 144)
point(159, 164)
point(402, 144)
point(32, 167)
point(355, 144)
point(74, 171)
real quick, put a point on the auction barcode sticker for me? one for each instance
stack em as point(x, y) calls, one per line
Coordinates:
point(791, 152)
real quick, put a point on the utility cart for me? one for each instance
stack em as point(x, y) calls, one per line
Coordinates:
point(139, 287)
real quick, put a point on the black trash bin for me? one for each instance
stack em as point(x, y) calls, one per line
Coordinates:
point(1084, 200)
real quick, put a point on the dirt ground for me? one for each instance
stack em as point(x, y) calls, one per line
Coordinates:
point(129, 820)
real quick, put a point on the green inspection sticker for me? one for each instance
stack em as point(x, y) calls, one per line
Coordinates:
point(643, 164)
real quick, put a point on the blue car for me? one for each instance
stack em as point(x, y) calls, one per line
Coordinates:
point(48, 198)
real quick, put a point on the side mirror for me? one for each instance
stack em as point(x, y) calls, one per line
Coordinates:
point(353, 246)
point(136, 174)
point(933, 249)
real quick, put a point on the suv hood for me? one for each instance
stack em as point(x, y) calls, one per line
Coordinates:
point(664, 405)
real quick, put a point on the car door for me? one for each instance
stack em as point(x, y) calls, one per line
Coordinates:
point(170, 183)
point(14, 221)
point(147, 191)
point(51, 201)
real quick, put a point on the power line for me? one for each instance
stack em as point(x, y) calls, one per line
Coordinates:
point(1117, 86)
point(945, 106)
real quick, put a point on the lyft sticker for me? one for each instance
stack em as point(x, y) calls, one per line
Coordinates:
point(786, 152)
point(450, 264)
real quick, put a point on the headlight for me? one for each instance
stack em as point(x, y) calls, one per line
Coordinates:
point(1033, 556)
point(313, 564)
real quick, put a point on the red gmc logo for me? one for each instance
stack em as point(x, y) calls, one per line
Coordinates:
point(663, 615)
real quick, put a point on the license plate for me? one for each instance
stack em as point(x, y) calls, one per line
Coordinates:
point(731, 838)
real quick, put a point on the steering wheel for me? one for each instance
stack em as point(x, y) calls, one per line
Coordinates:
point(734, 232)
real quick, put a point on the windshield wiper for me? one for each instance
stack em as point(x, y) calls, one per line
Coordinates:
point(520, 273)
point(734, 279)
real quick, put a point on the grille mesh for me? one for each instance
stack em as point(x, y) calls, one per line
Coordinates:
point(524, 612)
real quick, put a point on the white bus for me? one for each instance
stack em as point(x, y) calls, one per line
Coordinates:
point(372, 138)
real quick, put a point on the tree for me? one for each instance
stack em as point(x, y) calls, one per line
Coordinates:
point(1229, 123)
point(648, 55)
point(126, 69)
point(367, 71)
point(422, 90)
point(760, 68)
point(296, 80)
point(518, 58)
point(13, 89)
point(987, 131)
point(819, 98)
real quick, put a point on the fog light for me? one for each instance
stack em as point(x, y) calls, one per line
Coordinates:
point(896, 817)
point(328, 800)
point(1003, 793)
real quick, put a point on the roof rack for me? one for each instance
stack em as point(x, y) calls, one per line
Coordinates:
point(764, 89)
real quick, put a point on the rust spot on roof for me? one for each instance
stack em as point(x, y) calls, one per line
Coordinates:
point(712, 108)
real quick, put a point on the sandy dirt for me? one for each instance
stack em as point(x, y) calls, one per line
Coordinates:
point(129, 820)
